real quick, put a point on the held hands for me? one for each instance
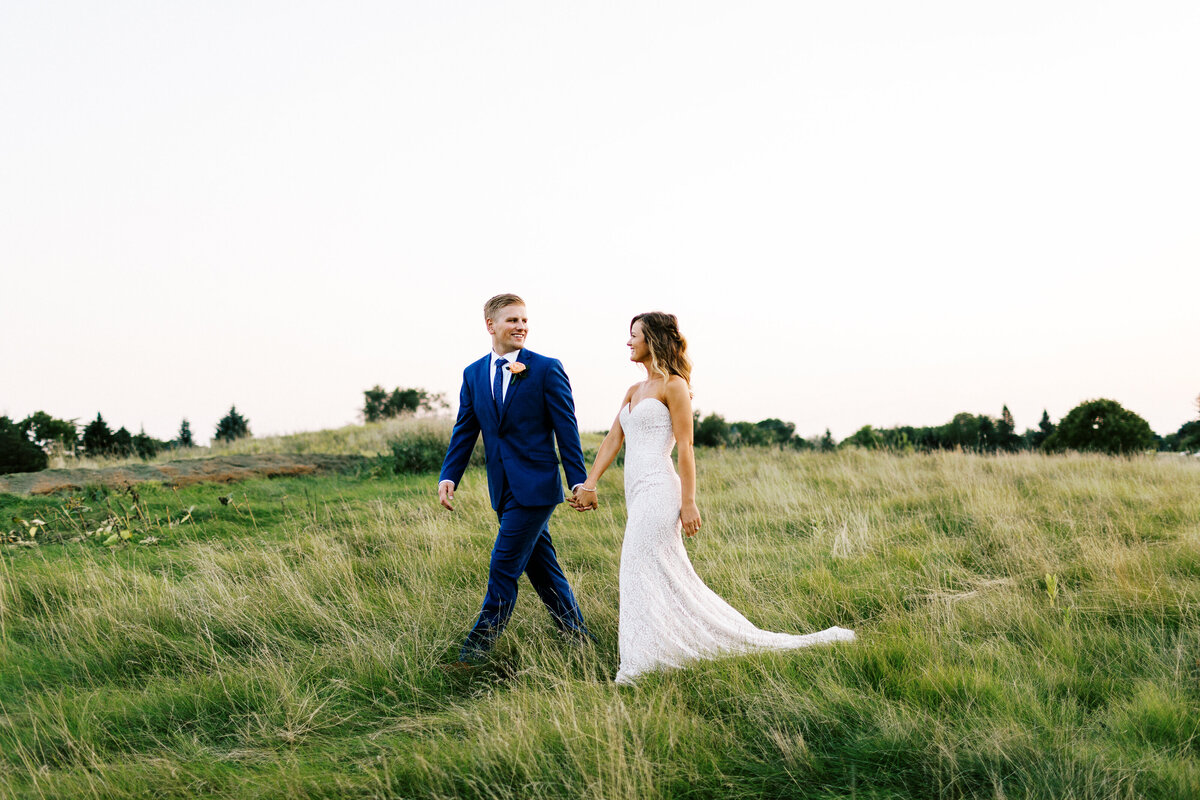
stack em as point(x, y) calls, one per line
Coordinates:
point(689, 515)
point(446, 493)
point(584, 499)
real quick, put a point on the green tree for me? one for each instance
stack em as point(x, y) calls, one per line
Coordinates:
point(403, 401)
point(712, 431)
point(17, 453)
point(44, 430)
point(1187, 438)
point(776, 431)
point(988, 436)
point(1006, 432)
point(374, 400)
point(145, 446)
point(379, 404)
point(97, 437)
point(184, 437)
point(747, 434)
point(232, 426)
point(1044, 429)
point(962, 431)
point(122, 443)
point(1101, 426)
point(827, 442)
point(865, 437)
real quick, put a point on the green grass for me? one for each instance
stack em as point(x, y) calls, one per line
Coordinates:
point(1029, 627)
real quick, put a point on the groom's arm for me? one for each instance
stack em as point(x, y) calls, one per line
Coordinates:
point(561, 405)
point(462, 441)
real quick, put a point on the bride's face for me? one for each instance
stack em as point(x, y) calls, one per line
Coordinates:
point(639, 351)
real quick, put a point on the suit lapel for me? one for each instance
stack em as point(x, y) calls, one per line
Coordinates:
point(483, 390)
point(514, 383)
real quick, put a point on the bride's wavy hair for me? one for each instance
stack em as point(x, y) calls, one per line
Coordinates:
point(668, 348)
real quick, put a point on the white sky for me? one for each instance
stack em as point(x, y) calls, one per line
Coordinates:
point(863, 213)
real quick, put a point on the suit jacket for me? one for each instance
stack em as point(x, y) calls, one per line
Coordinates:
point(518, 439)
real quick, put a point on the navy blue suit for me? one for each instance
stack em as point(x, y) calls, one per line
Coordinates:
point(524, 484)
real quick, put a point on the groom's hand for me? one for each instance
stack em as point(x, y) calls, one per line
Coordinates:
point(584, 499)
point(446, 493)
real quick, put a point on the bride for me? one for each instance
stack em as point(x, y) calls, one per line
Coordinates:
point(668, 615)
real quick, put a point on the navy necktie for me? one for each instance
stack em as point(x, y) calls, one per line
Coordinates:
point(498, 383)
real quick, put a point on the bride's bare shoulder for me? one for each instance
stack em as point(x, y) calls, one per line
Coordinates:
point(677, 386)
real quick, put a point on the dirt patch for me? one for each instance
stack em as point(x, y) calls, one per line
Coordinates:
point(219, 469)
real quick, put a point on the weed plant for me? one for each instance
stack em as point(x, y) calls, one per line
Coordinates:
point(1029, 628)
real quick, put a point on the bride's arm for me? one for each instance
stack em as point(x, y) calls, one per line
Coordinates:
point(679, 402)
point(585, 498)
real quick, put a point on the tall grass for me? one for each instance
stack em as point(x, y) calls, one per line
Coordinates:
point(1029, 627)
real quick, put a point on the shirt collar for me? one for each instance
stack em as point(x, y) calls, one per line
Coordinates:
point(509, 357)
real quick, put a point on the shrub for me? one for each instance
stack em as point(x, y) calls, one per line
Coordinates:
point(422, 449)
point(17, 453)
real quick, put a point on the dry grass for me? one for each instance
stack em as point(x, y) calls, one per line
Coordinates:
point(1029, 627)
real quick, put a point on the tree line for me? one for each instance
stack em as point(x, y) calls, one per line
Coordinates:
point(25, 446)
point(1094, 426)
point(1102, 426)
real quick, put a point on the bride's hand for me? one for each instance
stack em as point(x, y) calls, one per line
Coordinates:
point(689, 515)
point(585, 500)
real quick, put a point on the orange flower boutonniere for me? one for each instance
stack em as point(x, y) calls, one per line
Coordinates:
point(516, 369)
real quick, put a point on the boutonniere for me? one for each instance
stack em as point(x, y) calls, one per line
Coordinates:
point(516, 368)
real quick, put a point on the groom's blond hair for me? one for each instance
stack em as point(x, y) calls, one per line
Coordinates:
point(492, 307)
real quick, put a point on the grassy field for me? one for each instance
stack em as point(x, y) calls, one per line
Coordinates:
point(370, 439)
point(1029, 627)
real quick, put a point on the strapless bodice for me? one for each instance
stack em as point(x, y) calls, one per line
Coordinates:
point(648, 428)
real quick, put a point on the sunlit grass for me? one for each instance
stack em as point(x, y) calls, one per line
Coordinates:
point(1029, 627)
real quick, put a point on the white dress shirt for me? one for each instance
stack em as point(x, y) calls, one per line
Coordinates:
point(511, 358)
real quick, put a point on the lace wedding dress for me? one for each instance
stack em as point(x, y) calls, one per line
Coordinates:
point(668, 616)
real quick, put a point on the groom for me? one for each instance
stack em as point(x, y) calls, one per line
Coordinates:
point(522, 404)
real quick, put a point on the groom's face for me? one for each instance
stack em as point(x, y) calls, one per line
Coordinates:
point(508, 329)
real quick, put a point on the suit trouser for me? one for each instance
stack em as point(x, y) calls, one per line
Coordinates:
point(522, 545)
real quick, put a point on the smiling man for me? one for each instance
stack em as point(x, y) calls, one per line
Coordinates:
point(522, 403)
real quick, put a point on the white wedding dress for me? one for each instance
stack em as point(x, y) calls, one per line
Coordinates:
point(668, 616)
